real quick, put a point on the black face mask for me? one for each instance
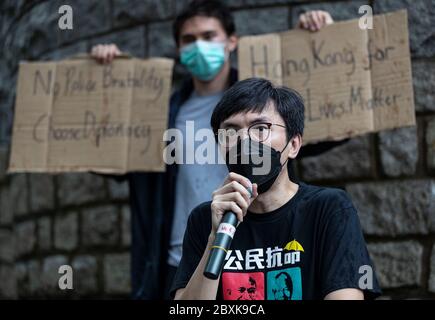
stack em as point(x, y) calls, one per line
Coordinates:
point(256, 161)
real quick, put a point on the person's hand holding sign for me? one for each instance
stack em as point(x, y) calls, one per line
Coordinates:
point(314, 20)
point(105, 53)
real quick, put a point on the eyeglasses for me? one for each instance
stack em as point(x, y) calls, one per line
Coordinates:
point(258, 132)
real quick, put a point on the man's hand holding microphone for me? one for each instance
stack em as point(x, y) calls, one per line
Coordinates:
point(233, 198)
point(229, 205)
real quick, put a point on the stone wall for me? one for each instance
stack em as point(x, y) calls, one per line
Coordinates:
point(83, 219)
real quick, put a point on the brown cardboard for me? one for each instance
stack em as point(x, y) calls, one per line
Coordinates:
point(79, 115)
point(353, 81)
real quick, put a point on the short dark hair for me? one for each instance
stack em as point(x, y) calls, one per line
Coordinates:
point(254, 94)
point(207, 8)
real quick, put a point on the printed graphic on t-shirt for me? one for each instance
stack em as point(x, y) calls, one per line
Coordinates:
point(243, 286)
point(284, 284)
point(275, 273)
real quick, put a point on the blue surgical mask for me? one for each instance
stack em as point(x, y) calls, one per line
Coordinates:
point(203, 59)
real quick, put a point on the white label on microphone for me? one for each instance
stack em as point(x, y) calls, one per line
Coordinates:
point(226, 228)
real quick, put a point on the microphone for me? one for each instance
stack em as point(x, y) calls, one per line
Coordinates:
point(222, 242)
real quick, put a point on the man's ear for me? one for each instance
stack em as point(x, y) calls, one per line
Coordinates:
point(232, 42)
point(294, 146)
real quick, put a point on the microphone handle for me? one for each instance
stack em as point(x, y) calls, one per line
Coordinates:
point(222, 242)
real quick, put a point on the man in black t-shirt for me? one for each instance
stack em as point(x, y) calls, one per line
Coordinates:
point(294, 241)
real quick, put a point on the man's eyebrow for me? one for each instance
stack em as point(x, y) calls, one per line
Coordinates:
point(206, 32)
point(229, 124)
point(260, 119)
point(187, 35)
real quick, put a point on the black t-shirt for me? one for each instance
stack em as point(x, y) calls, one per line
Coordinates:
point(307, 248)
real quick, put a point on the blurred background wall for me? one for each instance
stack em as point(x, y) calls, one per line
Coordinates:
point(83, 219)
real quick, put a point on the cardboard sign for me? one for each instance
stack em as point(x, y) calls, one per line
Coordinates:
point(79, 115)
point(353, 81)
